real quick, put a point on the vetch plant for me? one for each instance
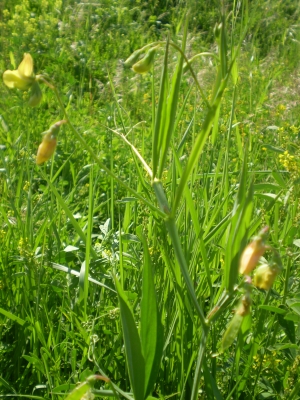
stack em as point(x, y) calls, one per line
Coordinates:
point(196, 223)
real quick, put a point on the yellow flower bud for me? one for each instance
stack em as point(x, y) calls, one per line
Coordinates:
point(265, 276)
point(145, 64)
point(252, 253)
point(251, 256)
point(47, 147)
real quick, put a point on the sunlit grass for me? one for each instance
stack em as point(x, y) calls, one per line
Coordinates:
point(94, 215)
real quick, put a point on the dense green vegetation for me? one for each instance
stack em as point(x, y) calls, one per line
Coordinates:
point(119, 256)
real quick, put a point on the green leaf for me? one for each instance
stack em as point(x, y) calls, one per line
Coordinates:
point(288, 327)
point(292, 317)
point(134, 356)
point(36, 362)
point(169, 115)
point(273, 309)
point(63, 388)
point(13, 317)
point(211, 387)
point(79, 391)
point(151, 326)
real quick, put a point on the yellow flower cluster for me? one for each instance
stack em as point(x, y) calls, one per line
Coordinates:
point(289, 163)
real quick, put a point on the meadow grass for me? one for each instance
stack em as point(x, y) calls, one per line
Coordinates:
point(119, 256)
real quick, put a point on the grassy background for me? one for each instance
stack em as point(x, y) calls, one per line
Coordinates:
point(49, 339)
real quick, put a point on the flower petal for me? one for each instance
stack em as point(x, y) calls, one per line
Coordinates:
point(13, 79)
point(26, 67)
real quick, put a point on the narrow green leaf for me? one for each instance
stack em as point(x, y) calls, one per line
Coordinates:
point(134, 357)
point(274, 309)
point(159, 121)
point(151, 326)
point(13, 317)
point(6, 384)
point(211, 387)
point(36, 362)
point(169, 116)
point(63, 388)
point(79, 391)
point(85, 267)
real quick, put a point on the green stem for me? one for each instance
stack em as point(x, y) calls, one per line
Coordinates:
point(286, 280)
point(172, 230)
point(201, 352)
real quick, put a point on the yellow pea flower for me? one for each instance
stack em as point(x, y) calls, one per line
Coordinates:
point(47, 147)
point(252, 253)
point(265, 276)
point(24, 78)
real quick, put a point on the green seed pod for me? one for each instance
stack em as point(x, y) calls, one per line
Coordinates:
point(145, 64)
point(132, 59)
point(232, 331)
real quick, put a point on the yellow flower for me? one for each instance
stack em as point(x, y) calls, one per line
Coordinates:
point(265, 276)
point(47, 147)
point(251, 255)
point(24, 78)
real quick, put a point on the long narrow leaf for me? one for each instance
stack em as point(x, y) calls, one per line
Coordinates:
point(134, 356)
point(151, 326)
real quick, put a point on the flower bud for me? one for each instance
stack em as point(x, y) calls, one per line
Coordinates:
point(145, 64)
point(217, 30)
point(244, 305)
point(252, 253)
point(265, 276)
point(36, 95)
point(47, 147)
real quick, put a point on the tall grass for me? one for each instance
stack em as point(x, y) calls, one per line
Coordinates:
point(119, 256)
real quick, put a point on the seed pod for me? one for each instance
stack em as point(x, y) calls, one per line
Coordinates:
point(265, 276)
point(231, 332)
point(132, 59)
point(145, 64)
